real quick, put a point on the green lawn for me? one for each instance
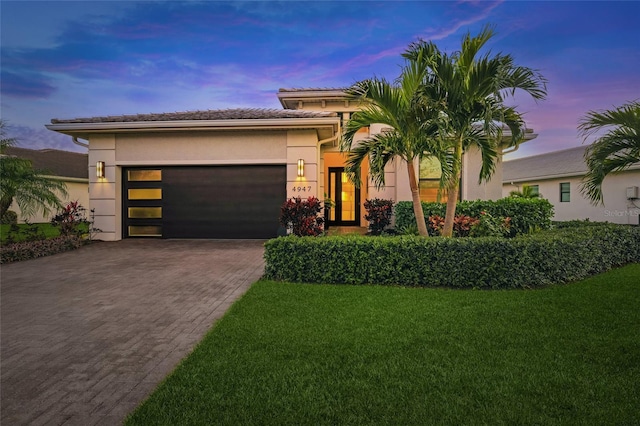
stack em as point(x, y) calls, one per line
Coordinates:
point(297, 354)
point(47, 229)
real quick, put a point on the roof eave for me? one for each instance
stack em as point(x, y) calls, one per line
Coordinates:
point(289, 100)
point(74, 129)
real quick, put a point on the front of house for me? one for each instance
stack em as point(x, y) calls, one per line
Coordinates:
point(225, 173)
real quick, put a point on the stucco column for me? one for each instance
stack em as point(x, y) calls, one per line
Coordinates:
point(104, 192)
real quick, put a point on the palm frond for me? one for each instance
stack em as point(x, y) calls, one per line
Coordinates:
point(472, 45)
point(615, 151)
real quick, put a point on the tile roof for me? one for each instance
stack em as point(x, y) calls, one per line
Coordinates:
point(54, 161)
point(221, 114)
point(568, 162)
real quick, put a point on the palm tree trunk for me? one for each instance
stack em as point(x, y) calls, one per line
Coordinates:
point(417, 203)
point(453, 190)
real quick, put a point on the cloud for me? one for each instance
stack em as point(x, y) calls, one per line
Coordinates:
point(25, 85)
point(486, 8)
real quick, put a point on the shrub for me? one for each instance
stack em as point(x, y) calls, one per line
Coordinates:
point(301, 217)
point(9, 218)
point(379, 214)
point(526, 214)
point(548, 257)
point(576, 223)
point(489, 226)
point(462, 225)
point(33, 249)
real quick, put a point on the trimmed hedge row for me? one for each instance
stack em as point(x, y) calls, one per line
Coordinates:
point(540, 259)
point(525, 213)
point(32, 249)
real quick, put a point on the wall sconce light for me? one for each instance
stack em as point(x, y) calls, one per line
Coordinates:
point(301, 168)
point(100, 169)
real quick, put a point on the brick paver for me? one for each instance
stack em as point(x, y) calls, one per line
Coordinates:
point(86, 335)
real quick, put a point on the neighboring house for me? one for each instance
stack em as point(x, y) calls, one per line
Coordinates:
point(70, 167)
point(225, 173)
point(557, 177)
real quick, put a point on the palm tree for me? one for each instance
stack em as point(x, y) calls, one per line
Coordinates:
point(31, 189)
point(411, 133)
point(614, 151)
point(527, 192)
point(470, 90)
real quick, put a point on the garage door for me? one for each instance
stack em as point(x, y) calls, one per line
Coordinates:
point(203, 202)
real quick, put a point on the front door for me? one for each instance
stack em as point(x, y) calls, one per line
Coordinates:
point(346, 197)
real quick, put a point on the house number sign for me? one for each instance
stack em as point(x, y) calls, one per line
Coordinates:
point(301, 188)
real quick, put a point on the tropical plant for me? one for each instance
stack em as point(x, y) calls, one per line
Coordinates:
point(469, 90)
point(300, 217)
point(411, 133)
point(379, 212)
point(31, 189)
point(614, 151)
point(526, 192)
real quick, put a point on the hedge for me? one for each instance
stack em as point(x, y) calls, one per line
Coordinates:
point(547, 257)
point(525, 213)
point(33, 249)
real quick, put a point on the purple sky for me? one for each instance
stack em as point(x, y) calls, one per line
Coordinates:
point(64, 59)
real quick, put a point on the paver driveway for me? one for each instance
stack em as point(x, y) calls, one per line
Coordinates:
point(87, 335)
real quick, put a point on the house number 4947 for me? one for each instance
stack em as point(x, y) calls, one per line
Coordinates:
point(301, 188)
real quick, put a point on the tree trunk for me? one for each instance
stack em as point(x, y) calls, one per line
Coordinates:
point(453, 189)
point(417, 203)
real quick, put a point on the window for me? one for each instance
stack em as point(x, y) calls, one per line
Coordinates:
point(565, 192)
point(430, 180)
point(535, 189)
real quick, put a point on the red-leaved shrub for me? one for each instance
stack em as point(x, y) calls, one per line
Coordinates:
point(301, 217)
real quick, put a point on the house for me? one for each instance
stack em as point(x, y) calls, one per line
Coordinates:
point(70, 167)
point(225, 173)
point(557, 177)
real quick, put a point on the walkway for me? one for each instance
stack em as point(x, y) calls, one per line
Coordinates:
point(87, 335)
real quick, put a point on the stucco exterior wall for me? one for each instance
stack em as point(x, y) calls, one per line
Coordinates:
point(616, 208)
point(471, 189)
point(302, 145)
point(204, 147)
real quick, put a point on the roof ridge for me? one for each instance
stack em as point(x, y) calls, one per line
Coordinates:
point(311, 89)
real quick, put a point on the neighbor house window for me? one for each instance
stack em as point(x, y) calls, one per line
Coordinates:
point(429, 184)
point(535, 189)
point(565, 192)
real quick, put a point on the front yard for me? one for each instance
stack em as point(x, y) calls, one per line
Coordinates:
point(322, 354)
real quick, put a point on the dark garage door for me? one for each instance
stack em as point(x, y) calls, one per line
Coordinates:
point(210, 202)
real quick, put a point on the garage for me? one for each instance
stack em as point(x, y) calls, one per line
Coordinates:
point(230, 201)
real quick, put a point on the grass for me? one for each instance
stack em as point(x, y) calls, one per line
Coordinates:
point(48, 230)
point(296, 354)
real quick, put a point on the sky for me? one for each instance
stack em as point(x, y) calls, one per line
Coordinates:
point(69, 59)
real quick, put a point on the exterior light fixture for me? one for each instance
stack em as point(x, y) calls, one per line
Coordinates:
point(301, 168)
point(100, 169)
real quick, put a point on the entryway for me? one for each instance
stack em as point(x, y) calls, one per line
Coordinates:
point(346, 197)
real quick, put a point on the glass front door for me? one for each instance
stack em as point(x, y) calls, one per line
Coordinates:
point(346, 196)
